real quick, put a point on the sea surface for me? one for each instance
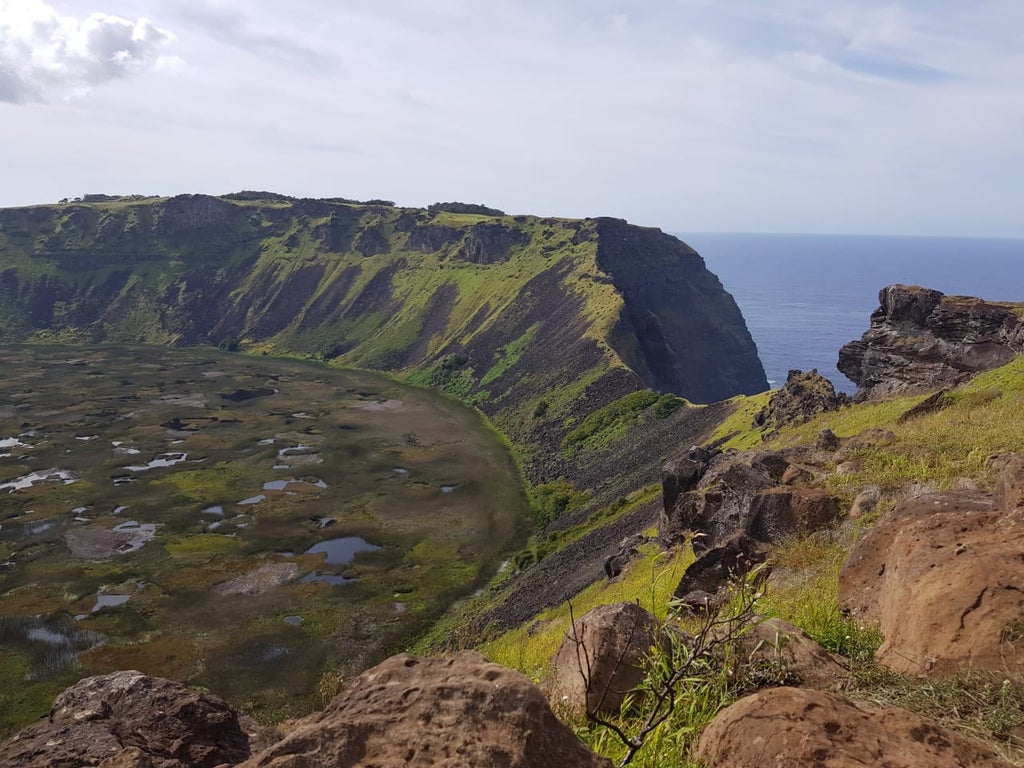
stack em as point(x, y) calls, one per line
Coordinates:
point(804, 296)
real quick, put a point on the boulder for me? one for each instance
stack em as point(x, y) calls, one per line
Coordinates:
point(603, 658)
point(722, 508)
point(784, 513)
point(131, 719)
point(774, 646)
point(943, 578)
point(408, 711)
point(826, 440)
point(1010, 486)
point(866, 501)
point(801, 474)
point(679, 477)
point(804, 728)
point(712, 571)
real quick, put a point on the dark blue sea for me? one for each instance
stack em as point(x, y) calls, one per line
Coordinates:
point(804, 296)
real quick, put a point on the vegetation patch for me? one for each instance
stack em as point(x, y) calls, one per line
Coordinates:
point(606, 424)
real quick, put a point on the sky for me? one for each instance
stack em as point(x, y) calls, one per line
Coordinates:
point(689, 115)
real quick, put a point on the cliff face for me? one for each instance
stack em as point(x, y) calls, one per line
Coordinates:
point(920, 340)
point(537, 321)
point(677, 323)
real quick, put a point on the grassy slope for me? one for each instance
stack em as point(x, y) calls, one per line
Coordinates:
point(983, 418)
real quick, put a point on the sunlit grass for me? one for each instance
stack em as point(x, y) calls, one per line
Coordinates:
point(649, 580)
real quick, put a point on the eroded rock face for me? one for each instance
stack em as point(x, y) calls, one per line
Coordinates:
point(186, 213)
point(942, 576)
point(921, 340)
point(724, 495)
point(407, 711)
point(603, 659)
point(128, 719)
point(804, 728)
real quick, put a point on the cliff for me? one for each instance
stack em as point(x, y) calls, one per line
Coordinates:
point(537, 321)
point(922, 340)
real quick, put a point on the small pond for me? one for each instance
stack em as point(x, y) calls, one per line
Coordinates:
point(343, 550)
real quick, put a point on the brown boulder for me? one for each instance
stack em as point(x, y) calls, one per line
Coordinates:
point(865, 502)
point(942, 576)
point(776, 647)
point(1010, 487)
point(803, 728)
point(407, 711)
point(131, 719)
point(602, 658)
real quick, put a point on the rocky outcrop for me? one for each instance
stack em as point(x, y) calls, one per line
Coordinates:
point(452, 712)
point(132, 719)
point(717, 496)
point(942, 577)
point(732, 507)
point(602, 658)
point(922, 340)
point(188, 213)
point(804, 728)
point(805, 394)
point(490, 243)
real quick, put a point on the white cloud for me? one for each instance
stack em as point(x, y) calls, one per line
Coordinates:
point(44, 54)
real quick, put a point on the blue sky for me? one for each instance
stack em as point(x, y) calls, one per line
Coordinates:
point(783, 116)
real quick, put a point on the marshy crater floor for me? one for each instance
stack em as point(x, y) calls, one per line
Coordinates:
point(239, 523)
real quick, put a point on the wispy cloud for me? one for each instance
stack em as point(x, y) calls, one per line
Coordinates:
point(44, 54)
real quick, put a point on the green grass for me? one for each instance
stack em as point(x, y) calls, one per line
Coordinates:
point(738, 430)
point(650, 579)
point(509, 355)
point(611, 422)
point(981, 419)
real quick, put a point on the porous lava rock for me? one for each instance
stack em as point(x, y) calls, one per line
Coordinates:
point(921, 340)
point(943, 578)
point(408, 711)
point(806, 728)
point(128, 719)
point(602, 658)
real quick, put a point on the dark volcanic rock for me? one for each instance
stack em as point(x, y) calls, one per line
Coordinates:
point(186, 213)
point(728, 494)
point(131, 716)
point(801, 397)
point(713, 570)
point(670, 300)
point(407, 711)
point(490, 243)
point(782, 513)
point(920, 340)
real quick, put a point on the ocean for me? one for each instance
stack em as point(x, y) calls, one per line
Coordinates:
point(804, 296)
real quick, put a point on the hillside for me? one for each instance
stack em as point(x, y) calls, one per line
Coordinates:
point(537, 321)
